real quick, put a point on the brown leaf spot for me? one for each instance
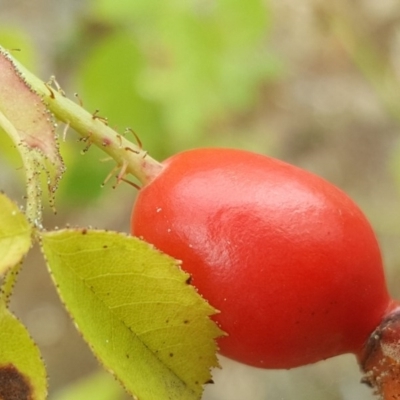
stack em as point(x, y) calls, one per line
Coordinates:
point(14, 385)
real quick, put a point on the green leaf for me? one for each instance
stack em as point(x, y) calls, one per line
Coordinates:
point(136, 310)
point(99, 386)
point(22, 372)
point(26, 119)
point(200, 61)
point(15, 234)
point(82, 181)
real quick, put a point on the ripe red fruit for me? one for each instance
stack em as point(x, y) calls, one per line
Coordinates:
point(289, 259)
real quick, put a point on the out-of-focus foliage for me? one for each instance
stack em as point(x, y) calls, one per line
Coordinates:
point(19, 44)
point(108, 80)
point(82, 180)
point(174, 68)
point(394, 165)
point(100, 386)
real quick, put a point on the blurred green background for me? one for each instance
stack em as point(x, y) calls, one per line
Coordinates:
point(314, 83)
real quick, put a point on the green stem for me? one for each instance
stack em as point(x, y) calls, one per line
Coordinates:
point(128, 156)
point(33, 195)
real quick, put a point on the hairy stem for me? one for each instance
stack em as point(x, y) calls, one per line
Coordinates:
point(95, 130)
point(33, 196)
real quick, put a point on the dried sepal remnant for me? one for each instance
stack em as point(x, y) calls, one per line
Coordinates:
point(27, 120)
point(381, 358)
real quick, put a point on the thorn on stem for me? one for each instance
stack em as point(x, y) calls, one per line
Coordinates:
point(119, 138)
point(50, 90)
point(86, 139)
point(139, 142)
point(76, 95)
point(131, 183)
point(106, 159)
point(132, 150)
point(121, 174)
point(120, 177)
point(53, 81)
point(65, 130)
point(110, 175)
point(102, 119)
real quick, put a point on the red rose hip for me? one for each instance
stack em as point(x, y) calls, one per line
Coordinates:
point(289, 259)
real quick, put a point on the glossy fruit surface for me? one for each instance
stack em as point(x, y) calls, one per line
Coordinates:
point(289, 260)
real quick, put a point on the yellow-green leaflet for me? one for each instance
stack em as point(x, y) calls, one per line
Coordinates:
point(15, 234)
point(22, 372)
point(134, 307)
